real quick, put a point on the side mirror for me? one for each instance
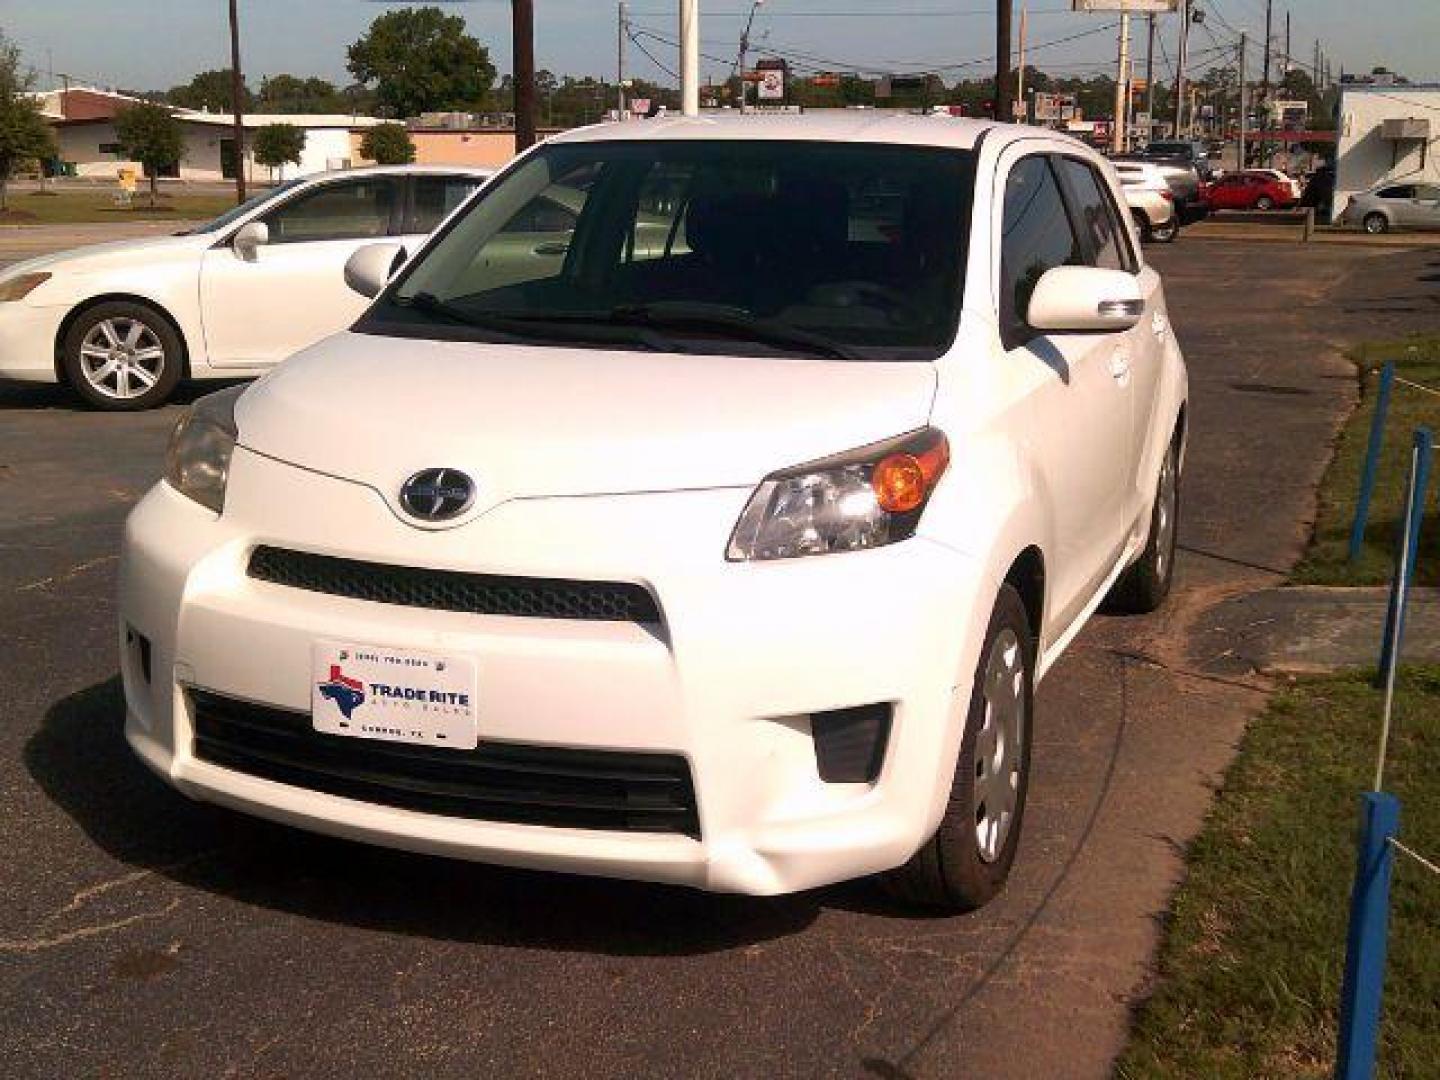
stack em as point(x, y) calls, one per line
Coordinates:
point(369, 269)
point(1085, 298)
point(249, 238)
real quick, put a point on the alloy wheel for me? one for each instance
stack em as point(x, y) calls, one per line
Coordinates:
point(998, 746)
point(122, 358)
point(1165, 516)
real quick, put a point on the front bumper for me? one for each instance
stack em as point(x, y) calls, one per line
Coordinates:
point(746, 653)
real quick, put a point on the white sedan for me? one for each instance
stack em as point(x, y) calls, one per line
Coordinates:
point(122, 323)
point(729, 559)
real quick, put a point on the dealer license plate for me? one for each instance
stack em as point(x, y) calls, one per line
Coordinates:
point(396, 695)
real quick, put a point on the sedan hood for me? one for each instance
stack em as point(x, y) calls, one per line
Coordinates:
point(530, 421)
point(127, 253)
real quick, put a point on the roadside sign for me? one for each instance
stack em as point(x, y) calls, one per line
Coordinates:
point(771, 86)
point(1129, 7)
point(640, 106)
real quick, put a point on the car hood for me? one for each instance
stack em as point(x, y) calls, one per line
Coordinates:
point(534, 421)
point(131, 253)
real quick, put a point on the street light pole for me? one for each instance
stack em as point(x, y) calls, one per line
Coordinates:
point(690, 57)
point(744, 50)
point(237, 89)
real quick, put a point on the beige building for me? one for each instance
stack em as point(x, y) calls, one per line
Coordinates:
point(1386, 133)
point(482, 147)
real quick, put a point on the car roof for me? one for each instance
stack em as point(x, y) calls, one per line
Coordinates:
point(847, 126)
point(404, 170)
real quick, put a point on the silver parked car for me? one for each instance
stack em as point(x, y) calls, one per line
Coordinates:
point(1151, 202)
point(1394, 206)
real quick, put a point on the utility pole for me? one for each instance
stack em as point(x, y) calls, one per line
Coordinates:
point(522, 38)
point(1004, 110)
point(237, 91)
point(1285, 69)
point(1180, 66)
point(1265, 88)
point(620, 28)
point(690, 57)
point(1020, 67)
point(1240, 123)
point(1122, 87)
point(1150, 78)
point(741, 62)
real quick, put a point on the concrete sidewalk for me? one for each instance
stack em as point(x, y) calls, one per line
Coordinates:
point(1310, 629)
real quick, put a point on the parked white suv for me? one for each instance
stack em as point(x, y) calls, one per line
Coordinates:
point(1151, 200)
point(730, 560)
point(122, 323)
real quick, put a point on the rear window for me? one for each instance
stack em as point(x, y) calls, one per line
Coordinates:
point(861, 245)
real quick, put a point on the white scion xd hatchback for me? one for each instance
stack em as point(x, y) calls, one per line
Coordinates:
point(701, 504)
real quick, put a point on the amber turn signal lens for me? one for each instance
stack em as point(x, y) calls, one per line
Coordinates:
point(899, 483)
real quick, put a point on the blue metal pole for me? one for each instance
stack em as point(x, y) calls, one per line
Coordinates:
point(1422, 452)
point(1372, 459)
point(1365, 945)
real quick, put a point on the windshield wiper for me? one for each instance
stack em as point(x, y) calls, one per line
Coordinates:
point(735, 321)
point(522, 326)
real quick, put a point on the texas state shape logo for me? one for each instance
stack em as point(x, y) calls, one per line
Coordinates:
point(348, 694)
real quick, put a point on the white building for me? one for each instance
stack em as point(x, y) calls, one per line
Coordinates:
point(84, 123)
point(1385, 133)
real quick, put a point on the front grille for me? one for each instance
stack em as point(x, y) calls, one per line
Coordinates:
point(451, 590)
point(529, 785)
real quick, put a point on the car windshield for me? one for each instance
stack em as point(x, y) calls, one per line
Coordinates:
point(252, 203)
point(841, 250)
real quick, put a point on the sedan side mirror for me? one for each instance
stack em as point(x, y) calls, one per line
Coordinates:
point(249, 239)
point(1085, 299)
point(371, 267)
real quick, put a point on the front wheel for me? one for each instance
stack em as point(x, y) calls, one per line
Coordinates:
point(1142, 223)
point(1146, 583)
point(1375, 224)
point(1264, 202)
point(965, 864)
point(122, 357)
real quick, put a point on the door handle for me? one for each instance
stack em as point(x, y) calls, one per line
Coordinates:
point(553, 247)
point(1120, 365)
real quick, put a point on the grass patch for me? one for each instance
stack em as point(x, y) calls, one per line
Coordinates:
point(1416, 359)
point(1255, 947)
point(74, 207)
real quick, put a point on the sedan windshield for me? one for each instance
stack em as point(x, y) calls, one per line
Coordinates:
point(252, 203)
point(840, 250)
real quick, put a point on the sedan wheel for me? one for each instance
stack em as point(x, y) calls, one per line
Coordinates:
point(1375, 224)
point(122, 356)
point(1264, 202)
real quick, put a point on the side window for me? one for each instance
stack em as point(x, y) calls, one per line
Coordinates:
point(348, 210)
point(1427, 192)
point(1096, 216)
point(1397, 191)
point(1036, 236)
point(435, 197)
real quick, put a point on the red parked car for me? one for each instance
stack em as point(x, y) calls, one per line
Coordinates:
point(1249, 191)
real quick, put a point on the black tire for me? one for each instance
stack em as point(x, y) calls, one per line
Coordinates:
point(143, 351)
point(1167, 233)
point(1264, 202)
point(1146, 582)
point(1142, 222)
point(950, 871)
point(1375, 224)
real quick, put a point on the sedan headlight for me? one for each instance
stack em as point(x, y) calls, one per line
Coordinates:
point(197, 464)
point(22, 285)
point(861, 499)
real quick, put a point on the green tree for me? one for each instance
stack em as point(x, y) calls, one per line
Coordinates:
point(278, 144)
point(421, 60)
point(24, 135)
point(210, 90)
point(294, 94)
point(151, 135)
point(388, 144)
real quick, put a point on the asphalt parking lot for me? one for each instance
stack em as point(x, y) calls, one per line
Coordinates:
point(144, 935)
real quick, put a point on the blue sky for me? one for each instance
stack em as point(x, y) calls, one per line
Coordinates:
point(153, 44)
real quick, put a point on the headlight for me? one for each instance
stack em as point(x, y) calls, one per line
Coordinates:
point(861, 499)
point(22, 285)
point(197, 463)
